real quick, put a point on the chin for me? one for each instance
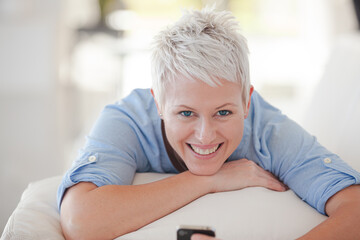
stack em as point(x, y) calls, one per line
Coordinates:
point(204, 171)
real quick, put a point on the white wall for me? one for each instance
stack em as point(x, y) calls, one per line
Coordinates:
point(30, 144)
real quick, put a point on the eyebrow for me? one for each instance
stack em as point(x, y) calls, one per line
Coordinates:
point(224, 105)
point(184, 106)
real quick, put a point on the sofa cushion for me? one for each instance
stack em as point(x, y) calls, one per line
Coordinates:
point(251, 213)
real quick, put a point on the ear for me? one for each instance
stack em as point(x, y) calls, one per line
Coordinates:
point(249, 103)
point(156, 102)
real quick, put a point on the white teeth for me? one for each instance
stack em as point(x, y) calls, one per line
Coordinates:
point(204, 151)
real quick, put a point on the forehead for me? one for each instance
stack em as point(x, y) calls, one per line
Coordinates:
point(198, 93)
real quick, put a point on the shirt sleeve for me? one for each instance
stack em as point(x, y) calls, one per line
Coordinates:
point(109, 155)
point(296, 157)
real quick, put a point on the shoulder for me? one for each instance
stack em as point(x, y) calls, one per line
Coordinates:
point(262, 116)
point(138, 100)
point(134, 115)
point(271, 134)
point(138, 96)
point(263, 111)
point(130, 127)
point(269, 123)
point(138, 106)
point(257, 127)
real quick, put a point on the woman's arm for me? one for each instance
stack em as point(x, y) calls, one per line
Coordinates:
point(344, 217)
point(90, 212)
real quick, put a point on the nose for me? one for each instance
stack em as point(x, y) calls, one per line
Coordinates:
point(205, 131)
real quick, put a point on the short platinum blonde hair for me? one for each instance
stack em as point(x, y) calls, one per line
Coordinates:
point(203, 45)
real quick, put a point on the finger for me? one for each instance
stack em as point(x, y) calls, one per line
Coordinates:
point(270, 174)
point(273, 180)
point(197, 236)
point(279, 181)
point(268, 180)
point(276, 185)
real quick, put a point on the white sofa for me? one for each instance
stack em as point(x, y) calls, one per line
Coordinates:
point(252, 213)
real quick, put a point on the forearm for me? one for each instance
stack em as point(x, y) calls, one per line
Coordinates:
point(344, 220)
point(344, 224)
point(89, 212)
point(110, 211)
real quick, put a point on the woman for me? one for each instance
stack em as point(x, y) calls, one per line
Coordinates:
point(203, 120)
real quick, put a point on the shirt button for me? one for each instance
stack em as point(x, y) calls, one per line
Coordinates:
point(92, 158)
point(327, 160)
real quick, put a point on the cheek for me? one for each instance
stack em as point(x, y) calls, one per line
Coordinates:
point(233, 131)
point(176, 131)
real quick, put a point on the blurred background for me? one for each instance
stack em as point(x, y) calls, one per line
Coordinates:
point(61, 61)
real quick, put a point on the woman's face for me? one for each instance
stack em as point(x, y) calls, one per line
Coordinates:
point(204, 124)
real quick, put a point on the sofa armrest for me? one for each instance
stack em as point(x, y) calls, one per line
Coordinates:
point(36, 216)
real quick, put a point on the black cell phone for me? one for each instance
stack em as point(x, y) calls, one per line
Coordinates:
point(184, 232)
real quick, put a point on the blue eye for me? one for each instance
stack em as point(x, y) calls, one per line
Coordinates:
point(223, 112)
point(186, 113)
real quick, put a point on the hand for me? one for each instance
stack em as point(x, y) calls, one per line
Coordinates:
point(198, 236)
point(244, 173)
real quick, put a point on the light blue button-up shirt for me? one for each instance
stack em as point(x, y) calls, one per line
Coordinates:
point(127, 138)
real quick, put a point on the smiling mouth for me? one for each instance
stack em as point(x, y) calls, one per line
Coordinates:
point(204, 152)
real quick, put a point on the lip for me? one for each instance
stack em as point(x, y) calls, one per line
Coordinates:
point(211, 155)
point(204, 146)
